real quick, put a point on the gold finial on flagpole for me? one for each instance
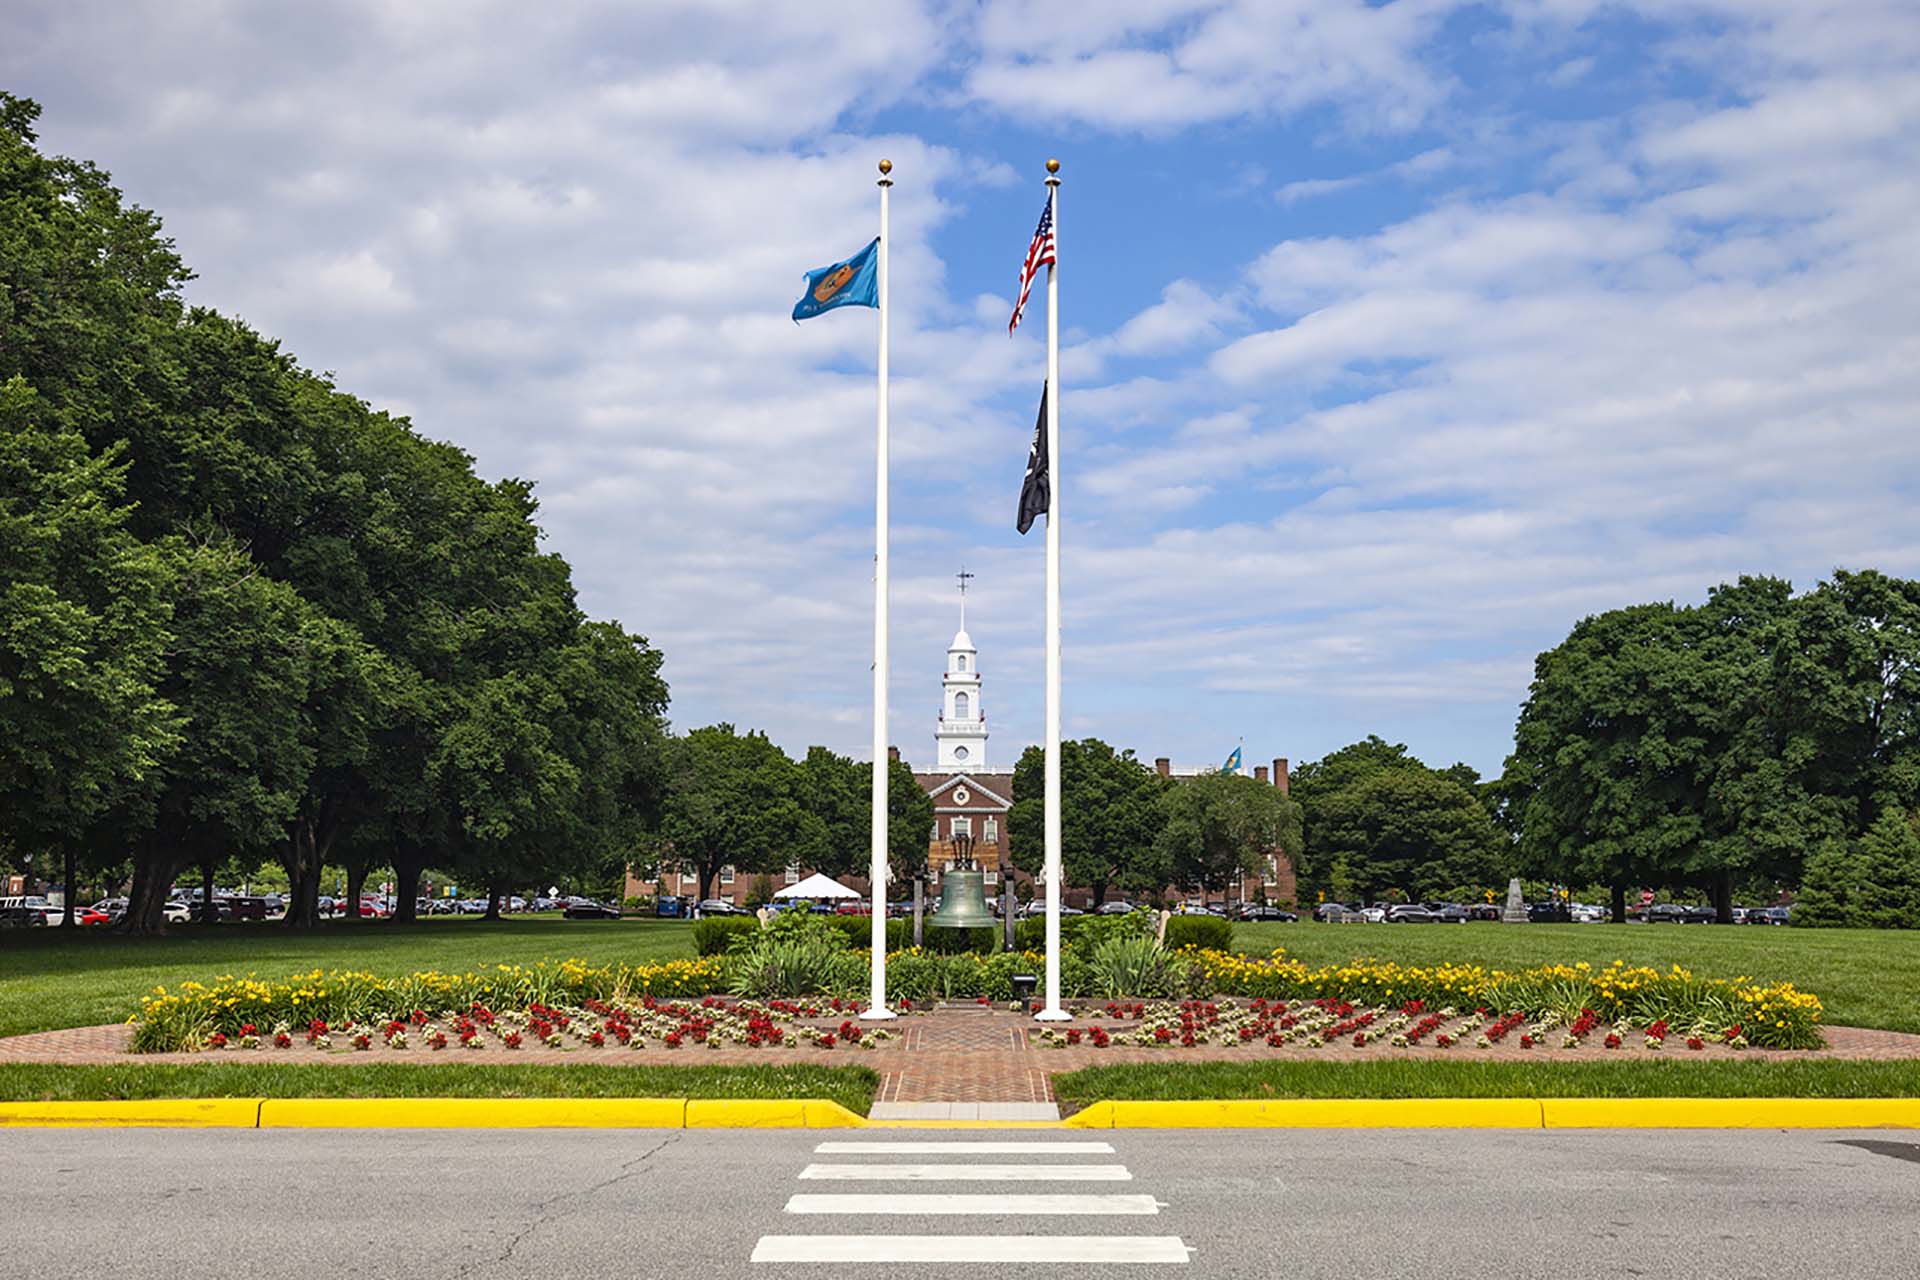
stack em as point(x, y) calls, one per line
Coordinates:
point(886, 166)
point(1053, 166)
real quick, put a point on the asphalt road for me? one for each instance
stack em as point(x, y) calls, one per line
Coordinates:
point(564, 1203)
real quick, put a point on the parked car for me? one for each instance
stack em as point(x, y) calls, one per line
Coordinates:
point(1329, 911)
point(1589, 913)
point(175, 913)
point(246, 908)
point(1770, 915)
point(1549, 913)
point(1483, 911)
point(81, 915)
point(1447, 912)
point(1257, 913)
point(591, 910)
point(668, 907)
point(1037, 910)
point(1701, 915)
point(1115, 908)
point(1408, 913)
point(720, 907)
point(1375, 914)
point(19, 917)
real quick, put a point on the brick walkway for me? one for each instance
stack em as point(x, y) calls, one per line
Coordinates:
point(961, 1054)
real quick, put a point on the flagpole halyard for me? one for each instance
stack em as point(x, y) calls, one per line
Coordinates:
point(1052, 1012)
point(877, 998)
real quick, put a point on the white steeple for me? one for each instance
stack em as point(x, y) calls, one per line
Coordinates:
point(961, 738)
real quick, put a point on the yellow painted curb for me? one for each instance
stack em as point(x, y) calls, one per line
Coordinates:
point(1731, 1113)
point(473, 1113)
point(1323, 1113)
point(166, 1113)
point(770, 1113)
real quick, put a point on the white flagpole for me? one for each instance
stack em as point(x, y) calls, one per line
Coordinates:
point(1052, 1012)
point(877, 999)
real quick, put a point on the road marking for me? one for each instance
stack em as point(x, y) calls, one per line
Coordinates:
point(906, 1203)
point(967, 1148)
point(845, 1249)
point(969, 1172)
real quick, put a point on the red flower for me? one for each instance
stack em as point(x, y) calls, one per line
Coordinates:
point(281, 1040)
point(511, 1039)
point(673, 1039)
point(1695, 1042)
point(826, 1041)
point(1444, 1041)
point(1359, 1039)
point(363, 1041)
point(1073, 1035)
point(1612, 1041)
point(1526, 1042)
point(249, 1030)
point(597, 1040)
point(1099, 1037)
point(1163, 1034)
point(218, 1040)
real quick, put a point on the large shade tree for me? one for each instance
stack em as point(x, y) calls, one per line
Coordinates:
point(1110, 819)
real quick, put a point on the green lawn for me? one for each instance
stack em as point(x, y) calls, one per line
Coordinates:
point(1430, 1079)
point(851, 1087)
point(49, 979)
point(1864, 977)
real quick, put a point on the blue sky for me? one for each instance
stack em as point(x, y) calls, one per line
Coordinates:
point(1397, 336)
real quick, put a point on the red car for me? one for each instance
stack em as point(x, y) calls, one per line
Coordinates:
point(81, 915)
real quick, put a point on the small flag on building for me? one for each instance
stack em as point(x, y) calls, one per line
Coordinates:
point(1039, 254)
point(853, 283)
point(1036, 491)
point(1233, 762)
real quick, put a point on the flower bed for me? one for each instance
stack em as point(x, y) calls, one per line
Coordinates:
point(711, 1022)
point(1330, 1022)
point(1777, 1015)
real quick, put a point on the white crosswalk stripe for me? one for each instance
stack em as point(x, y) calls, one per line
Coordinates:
point(844, 1249)
point(964, 1148)
point(906, 1203)
point(968, 1172)
point(985, 1246)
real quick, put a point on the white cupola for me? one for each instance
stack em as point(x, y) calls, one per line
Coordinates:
point(961, 736)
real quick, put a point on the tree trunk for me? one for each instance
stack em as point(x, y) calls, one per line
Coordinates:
point(147, 898)
point(494, 893)
point(304, 856)
point(1099, 894)
point(1722, 891)
point(706, 880)
point(356, 886)
point(206, 893)
point(1619, 915)
point(408, 864)
point(72, 890)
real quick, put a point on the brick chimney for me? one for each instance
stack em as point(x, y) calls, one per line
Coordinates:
point(1163, 766)
point(893, 755)
point(1280, 778)
point(1259, 773)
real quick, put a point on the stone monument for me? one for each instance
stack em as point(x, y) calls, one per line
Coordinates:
point(1516, 909)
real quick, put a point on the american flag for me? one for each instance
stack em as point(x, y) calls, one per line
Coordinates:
point(1039, 254)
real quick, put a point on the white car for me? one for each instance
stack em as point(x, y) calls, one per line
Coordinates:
point(1374, 915)
point(176, 913)
point(1587, 913)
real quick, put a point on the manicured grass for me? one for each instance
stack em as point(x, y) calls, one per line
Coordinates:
point(1833, 1078)
point(50, 978)
point(851, 1087)
point(1864, 977)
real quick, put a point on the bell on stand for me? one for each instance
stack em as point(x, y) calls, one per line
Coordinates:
point(963, 892)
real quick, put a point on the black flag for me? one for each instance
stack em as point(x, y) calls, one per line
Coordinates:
point(1036, 491)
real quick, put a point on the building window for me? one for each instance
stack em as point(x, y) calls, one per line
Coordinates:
point(935, 833)
point(960, 706)
point(793, 873)
point(990, 831)
point(726, 874)
point(960, 662)
point(990, 879)
point(959, 827)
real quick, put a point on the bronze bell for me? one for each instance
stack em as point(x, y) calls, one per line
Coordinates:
point(963, 901)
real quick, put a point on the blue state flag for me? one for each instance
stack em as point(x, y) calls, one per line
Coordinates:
point(853, 283)
point(1233, 762)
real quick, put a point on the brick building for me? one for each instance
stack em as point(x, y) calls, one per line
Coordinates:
point(970, 803)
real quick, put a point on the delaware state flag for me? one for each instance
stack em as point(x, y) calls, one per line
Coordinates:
point(853, 283)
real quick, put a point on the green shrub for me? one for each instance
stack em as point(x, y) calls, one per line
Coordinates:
point(1136, 966)
point(809, 964)
point(1203, 933)
point(713, 935)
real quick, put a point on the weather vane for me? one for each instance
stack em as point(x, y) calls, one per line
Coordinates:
point(964, 578)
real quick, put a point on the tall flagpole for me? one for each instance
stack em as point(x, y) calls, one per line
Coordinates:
point(1053, 1012)
point(877, 999)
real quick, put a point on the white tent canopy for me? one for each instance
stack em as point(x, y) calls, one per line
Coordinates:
point(815, 887)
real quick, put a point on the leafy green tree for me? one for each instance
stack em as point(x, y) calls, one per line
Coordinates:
point(1417, 831)
point(1220, 827)
point(83, 628)
point(1110, 819)
point(733, 799)
point(909, 819)
point(1872, 882)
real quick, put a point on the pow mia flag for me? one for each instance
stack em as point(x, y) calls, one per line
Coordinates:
point(1036, 491)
